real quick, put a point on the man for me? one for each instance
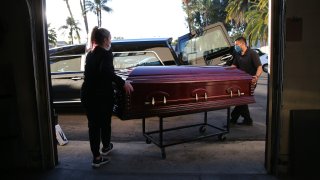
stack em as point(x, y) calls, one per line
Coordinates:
point(247, 60)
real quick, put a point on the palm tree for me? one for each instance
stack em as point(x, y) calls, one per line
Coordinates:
point(252, 18)
point(52, 35)
point(236, 10)
point(72, 26)
point(84, 14)
point(71, 16)
point(257, 18)
point(96, 6)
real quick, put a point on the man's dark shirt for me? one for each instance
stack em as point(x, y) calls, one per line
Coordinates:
point(249, 62)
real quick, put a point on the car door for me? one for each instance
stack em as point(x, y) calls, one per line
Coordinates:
point(210, 46)
point(67, 78)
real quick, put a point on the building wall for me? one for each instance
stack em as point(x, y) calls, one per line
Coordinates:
point(301, 87)
point(24, 99)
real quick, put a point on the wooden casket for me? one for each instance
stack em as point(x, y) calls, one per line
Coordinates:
point(175, 90)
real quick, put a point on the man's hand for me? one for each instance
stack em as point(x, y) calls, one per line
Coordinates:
point(128, 87)
point(254, 80)
point(256, 77)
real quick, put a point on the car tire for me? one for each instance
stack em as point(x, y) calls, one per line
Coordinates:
point(265, 68)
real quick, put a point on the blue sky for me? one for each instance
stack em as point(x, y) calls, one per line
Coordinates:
point(129, 19)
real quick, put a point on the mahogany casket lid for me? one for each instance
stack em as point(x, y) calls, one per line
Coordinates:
point(186, 73)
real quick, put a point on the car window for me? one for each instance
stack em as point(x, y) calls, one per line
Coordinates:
point(165, 54)
point(124, 60)
point(68, 63)
point(197, 48)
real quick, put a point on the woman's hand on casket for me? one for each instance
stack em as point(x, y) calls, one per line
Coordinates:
point(128, 87)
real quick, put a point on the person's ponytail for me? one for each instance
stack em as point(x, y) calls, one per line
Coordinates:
point(93, 40)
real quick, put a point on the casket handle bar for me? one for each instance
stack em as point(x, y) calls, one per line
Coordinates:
point(229, 91)
point(151, 98)
point(200, 92)
point(205, 97)
point(153, 102)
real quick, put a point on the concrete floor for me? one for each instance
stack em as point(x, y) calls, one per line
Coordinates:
point(206, 159)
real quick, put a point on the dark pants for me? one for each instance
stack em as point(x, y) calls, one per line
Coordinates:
point(99, 113)
point(242, 110)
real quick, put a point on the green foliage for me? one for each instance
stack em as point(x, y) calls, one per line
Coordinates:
point(236, 10)
point(257, 18)
point(250, 18)
point(72, 26)
point(204, 12)
point(247, 18)
point(96, 7)
point(52, 36)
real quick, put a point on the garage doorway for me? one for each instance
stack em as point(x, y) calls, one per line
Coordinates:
point(257, 133)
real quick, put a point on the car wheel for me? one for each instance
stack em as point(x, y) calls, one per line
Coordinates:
point(265, 68)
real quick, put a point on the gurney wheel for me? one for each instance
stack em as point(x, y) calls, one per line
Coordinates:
point(148, 141)
point(222, 137)
point(202, 129)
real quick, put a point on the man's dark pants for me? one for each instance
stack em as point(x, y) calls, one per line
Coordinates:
point(242, 110)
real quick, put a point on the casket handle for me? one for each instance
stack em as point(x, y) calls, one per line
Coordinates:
point(205, 97)
point(199, 92)
point(240, 93)
point(229, 91)
point(154, 96)
point(153, 101)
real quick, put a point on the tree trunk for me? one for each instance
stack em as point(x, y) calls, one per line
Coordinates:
point(71, 15)
point(100, 18)
point(84, 14)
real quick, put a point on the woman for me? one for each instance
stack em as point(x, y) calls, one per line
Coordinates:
point(97, 93)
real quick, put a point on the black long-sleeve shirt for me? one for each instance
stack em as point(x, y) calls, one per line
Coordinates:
point(99, 74)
